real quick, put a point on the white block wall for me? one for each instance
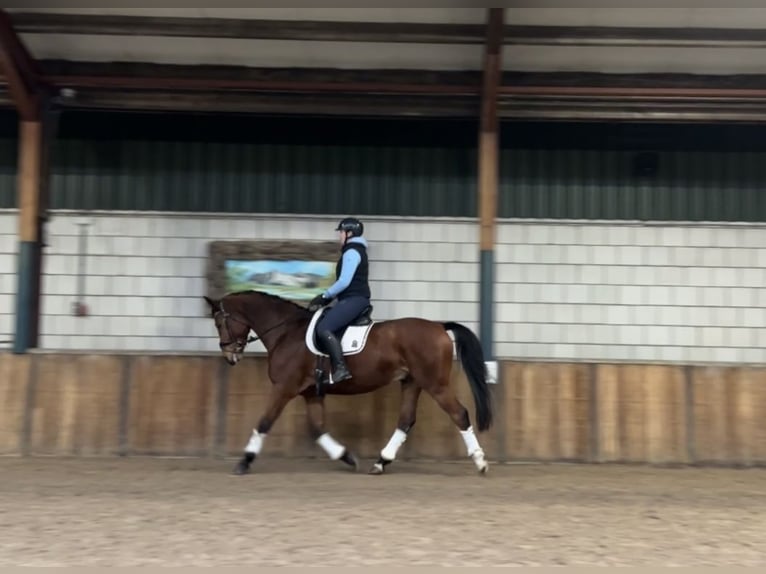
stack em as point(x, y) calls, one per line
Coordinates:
point(8, 250)
point(668, 293)
point(145, 275)
point(579, 291)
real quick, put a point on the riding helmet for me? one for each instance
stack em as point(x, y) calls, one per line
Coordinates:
point(352, 225)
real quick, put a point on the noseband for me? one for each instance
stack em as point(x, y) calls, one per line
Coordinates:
point(238, 342)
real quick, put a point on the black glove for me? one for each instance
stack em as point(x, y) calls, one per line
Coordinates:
point(318, 301)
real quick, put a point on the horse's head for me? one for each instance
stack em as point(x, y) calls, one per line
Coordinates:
point(233, 329)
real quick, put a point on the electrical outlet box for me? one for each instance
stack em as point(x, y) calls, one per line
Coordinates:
point(79, 309)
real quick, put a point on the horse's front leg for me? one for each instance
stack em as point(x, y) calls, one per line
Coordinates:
point(335, 450)
point(279, 397)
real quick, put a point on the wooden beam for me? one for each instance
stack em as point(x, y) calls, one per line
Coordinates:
point(638, 36)
point(538, 95)
point(210, 84)
point(21, 55)
point(28, 93)
point(23, 98)
point(18, 70)
point(30, 169)
point(386, 92)
point(169, 78)
point(516, 107)
point(488, 144)
point(35, 139)
point(384, 32)
point(640, 111)
point(295, 30)
point(287, 103)
point(61, 68)
point(54, 67)
point(632, 92)
point(488, 175)
point(652, 80)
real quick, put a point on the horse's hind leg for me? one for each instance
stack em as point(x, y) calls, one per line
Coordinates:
point(437, 377)
point(448, 401)
point(407, 412)
point(335, 450)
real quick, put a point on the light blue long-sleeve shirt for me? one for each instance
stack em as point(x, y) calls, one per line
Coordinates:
point(351, 260)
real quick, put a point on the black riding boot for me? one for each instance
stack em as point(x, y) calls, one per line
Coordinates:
point(333, 348)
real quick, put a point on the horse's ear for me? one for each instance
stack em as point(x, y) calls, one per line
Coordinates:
point(213, 304)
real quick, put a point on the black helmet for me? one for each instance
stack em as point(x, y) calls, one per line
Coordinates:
point(352, 225)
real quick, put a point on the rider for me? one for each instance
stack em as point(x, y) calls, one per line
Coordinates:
point(352, 289)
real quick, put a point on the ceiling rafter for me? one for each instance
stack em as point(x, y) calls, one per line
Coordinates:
point(170, 83)
point(296, 30)
point(384, 32)
point(130, 85)
point(21, 72)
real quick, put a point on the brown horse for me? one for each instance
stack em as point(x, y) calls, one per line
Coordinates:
point(416, 352)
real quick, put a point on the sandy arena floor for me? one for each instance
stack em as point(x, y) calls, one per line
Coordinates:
point(192, 512)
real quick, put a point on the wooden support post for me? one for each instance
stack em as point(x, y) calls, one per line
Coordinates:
point(30, 240)
point(27, 91)
point(488, 176)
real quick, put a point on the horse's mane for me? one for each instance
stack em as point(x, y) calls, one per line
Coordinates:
point(238, 294)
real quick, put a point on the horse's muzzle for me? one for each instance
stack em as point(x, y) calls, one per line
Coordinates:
point(232, 355)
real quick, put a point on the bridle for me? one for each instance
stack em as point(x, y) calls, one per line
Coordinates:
point(240, 344)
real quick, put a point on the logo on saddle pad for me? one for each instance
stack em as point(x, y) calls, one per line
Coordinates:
point(354, 336)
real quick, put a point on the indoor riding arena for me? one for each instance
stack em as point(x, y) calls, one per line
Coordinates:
point(582, 188)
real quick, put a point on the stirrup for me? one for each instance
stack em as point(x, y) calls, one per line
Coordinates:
point(330, 380)
point(348, 373)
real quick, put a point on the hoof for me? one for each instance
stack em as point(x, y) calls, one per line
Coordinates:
point(481, 464)
point(349, 458)
point(243, 466)
point(379, 467)
point(376, 469)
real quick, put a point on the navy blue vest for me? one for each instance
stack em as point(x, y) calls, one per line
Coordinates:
point(359, 285)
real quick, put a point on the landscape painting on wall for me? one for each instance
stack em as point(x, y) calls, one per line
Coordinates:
point(293, 279)
point(294, 270)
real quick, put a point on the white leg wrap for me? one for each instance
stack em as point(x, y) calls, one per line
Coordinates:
point(479, 460)
point(474, 450)
point(331, 446)
point(394, 443)
point(256, 443)
point(471, 442)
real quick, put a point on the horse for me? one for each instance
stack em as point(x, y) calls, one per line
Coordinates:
point(416, 352)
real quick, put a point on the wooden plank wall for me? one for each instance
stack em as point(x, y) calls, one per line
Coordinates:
point(729, 413)
point(78, 404)
point(14, 387)
point(547, 411)
point(75, 406)
point(641, 414)
point(171, 406)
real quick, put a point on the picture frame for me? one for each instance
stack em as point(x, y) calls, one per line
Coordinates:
point(293, 269)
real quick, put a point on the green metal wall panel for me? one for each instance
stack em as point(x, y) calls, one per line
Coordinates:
point(8, 168)
point(600, 184)
point(420, 180)
point(223, 177)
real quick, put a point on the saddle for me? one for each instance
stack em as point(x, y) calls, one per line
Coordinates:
point(353, 337)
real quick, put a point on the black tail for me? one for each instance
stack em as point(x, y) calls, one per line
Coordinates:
point(471, 356)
